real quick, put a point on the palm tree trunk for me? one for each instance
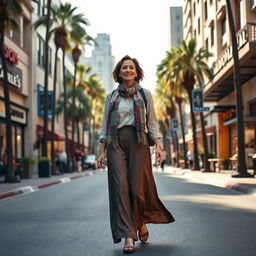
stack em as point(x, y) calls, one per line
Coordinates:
point(54, 111)
point(83, 149)
point(73, 121)
point(174, 147)
point(46, 100)
point(65, 112)
point(205, 144)
point(183, 136)
point(10, 172)
point(195, 148)
point(93, 135)
point(177, 148)
point(78, 134)
point(241, 162)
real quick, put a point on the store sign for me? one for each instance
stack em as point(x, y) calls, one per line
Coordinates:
point(14, 75)
point(198, 101)
point(11, 55)
point(175, 124)
point(18, 115)
point(40, 109)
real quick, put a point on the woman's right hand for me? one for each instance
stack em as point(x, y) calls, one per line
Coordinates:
point(101, 159)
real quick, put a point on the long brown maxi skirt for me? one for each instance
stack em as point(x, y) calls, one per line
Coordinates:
point(133, 196)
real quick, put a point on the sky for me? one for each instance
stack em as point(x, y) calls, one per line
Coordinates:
point(139, 28)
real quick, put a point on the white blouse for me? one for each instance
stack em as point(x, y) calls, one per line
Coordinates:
point(126, 116)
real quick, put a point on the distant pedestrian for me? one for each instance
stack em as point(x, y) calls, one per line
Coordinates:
point(164, 160)
point(129, 115)
point(62, 157)
point(190, 157)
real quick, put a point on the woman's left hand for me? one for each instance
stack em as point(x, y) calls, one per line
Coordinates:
point(158, 152)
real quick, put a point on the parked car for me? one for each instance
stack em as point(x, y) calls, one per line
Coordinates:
point(90, 162)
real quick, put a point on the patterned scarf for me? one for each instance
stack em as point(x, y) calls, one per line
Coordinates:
point(138, 110)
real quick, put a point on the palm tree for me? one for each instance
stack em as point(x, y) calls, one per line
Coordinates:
point(96, 91)
point(9, 10)
point(46, 74)
point(190, 66)
point(180, 98)
point(241, 163)
point(64, 20)
point(165, 110)
point(80, 38)
point(82, 106)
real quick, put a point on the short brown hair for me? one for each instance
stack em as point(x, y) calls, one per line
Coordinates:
point(139, 70)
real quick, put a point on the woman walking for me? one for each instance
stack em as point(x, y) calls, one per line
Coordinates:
point(128, 118)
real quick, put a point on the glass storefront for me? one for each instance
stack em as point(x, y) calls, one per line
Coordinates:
point(17, 140)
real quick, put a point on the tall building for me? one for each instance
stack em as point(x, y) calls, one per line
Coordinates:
point(176, 26)
point(102, 61)
point(207, 21)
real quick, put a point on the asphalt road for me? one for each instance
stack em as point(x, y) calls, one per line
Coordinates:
point(72, 219)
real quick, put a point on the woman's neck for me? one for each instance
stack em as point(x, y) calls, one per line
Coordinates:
point(127, 84)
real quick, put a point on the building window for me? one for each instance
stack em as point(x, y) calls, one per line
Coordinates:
point(223, 31)
point(41, 7)
point(205, 11)
point(40, 51)
point(178, 28)
point(195, 33)
point(212, 34)
point(49, 60)
point(40, 54)
point(194, 7)
point(206, 44)
point(252, 108)
point(253, 3)
point(198, 22)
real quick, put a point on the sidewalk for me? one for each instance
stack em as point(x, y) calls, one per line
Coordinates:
point(30, 185)
point(221, 179)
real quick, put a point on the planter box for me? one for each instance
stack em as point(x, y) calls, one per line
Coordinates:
point(44, 169)
point(27, 172)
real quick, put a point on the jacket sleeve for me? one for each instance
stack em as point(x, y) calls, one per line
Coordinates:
point(152, 123)
point(103, 133)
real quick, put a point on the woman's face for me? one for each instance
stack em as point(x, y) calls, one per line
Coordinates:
point(128, 71)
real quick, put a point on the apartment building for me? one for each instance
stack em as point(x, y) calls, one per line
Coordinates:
point(17, 47)
point(25, 55)
point(207, 21)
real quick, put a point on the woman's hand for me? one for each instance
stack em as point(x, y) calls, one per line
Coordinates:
point(101, 159)
point(158, 152)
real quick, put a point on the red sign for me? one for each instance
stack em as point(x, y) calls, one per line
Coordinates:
point(11, 55)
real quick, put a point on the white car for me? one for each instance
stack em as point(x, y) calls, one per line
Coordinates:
point(90, 162)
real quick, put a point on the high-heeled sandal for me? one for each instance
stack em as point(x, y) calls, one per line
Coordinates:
point(129, 249)
point(142, 239)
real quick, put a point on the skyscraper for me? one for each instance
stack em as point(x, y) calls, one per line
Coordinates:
point(102, 61)
point(176, 26)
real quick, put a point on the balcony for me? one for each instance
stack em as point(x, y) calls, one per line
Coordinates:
point(222, 69)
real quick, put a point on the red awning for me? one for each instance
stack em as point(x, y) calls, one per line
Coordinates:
point(57, 136)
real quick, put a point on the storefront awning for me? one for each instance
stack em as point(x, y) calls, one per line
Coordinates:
point(222, 108)
point(57, 136)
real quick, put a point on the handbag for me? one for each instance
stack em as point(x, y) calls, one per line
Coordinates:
point(150, 141)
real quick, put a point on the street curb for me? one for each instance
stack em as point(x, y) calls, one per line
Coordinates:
point(33, 188)
point(229, 185)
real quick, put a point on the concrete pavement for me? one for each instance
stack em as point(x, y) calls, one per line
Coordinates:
point(220, 179)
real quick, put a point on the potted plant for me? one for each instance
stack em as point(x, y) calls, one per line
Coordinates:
point(27, 165)
point(44, 167)
point(226, 162)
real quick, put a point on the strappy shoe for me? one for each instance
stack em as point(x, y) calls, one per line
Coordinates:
point(129, 249)
point(143, 237)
